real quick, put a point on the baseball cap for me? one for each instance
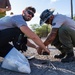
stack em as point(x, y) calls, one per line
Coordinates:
point(45, 15)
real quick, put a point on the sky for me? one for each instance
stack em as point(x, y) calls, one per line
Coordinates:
point(60, 6)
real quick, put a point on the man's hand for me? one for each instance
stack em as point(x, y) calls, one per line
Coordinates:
point(41, 52)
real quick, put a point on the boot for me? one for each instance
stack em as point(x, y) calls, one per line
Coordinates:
point(62, 55)
point(69, 58)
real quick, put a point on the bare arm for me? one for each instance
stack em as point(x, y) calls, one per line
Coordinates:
point(34, 37)
point(49, 39)
point(31, 44)
point(8, 8)
point(5, 9)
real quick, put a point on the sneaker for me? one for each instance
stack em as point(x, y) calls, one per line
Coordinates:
point(60, 56)
point(68, 59)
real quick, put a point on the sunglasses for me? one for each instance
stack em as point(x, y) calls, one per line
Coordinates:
point(30, 13)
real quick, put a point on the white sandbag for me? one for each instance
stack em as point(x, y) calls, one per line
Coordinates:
point(16, 61)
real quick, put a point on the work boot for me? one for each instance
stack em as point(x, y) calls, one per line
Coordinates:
point(69, 58)
point(62, 55)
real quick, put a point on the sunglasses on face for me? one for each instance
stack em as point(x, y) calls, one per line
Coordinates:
point(30, 13)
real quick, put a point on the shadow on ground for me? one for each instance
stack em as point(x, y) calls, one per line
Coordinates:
point(43, 67)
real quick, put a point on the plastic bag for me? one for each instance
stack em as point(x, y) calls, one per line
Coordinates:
point(16, 61)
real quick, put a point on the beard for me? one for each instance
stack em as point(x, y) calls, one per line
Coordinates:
point(26, 18)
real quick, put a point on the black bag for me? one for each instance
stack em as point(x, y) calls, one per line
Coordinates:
point(20, 42)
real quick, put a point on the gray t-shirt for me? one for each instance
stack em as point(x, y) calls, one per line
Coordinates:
point(12, 21)
point(60, 20)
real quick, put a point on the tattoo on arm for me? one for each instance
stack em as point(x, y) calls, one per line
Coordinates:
point(51, 36)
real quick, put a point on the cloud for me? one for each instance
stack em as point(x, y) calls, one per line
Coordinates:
point(52, 1)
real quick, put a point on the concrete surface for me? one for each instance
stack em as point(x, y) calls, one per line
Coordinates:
point(44, 65)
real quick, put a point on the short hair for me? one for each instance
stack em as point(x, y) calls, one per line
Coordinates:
point(31, 8)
